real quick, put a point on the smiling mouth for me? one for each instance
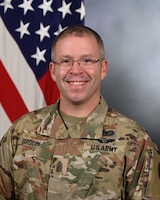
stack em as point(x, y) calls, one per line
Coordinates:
point(76, 82)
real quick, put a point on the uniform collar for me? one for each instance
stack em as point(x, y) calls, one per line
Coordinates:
point(53, 126)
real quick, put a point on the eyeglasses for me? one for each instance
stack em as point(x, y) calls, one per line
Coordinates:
point(83, 62)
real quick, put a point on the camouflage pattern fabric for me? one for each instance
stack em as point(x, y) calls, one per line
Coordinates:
point(106, 156)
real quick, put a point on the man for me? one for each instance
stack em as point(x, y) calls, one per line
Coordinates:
point(78, 148)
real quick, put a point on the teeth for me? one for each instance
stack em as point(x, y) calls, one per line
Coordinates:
point(77, 83)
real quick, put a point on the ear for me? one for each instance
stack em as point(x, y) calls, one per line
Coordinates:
point(104, 69)
point(52, 71)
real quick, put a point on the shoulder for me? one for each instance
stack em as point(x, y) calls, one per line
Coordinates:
point(125, 127)
point(27, 125)
point(30, 121)
point(129, 133)
point(34, 117)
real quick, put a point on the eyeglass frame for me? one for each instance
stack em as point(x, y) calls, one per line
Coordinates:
point(81, 62)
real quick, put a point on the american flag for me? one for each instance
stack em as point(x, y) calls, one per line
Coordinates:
point(27, 29)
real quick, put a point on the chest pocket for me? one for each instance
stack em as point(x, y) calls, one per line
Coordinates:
point(82, 168)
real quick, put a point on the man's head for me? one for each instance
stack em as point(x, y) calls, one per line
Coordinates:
point(78, 65)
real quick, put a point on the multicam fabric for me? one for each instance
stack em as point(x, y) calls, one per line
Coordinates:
point(103, 157)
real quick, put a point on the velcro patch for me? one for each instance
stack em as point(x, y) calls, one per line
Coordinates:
point(103, 147)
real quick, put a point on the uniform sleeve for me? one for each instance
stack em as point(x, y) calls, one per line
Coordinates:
point(6, 172)
point(144, 175)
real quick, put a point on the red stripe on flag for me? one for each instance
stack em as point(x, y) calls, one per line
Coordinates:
point(10, 98)
point(49, 88)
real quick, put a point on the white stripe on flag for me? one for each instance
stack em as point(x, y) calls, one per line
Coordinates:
point(19, 71)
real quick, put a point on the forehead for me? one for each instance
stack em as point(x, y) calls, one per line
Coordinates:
point(72, 43)
point(84, 36)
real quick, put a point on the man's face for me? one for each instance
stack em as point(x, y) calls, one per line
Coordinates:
point(78, 84)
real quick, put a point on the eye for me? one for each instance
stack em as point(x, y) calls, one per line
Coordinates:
point(87, 60)
point(65, 61)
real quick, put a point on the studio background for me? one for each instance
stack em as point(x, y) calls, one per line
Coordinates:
point(131, 34)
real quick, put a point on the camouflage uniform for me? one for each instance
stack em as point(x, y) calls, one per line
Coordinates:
point(103, 157)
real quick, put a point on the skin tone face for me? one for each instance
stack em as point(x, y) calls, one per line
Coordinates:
point(79, 87)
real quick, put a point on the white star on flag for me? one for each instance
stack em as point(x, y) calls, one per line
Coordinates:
point(6, 4)
point(39, 55)
point(26, 5)
point(23, 29)
point(60, 29)
point(65, 9)
point(43, 32)
point(46, 6)
point(81, 10)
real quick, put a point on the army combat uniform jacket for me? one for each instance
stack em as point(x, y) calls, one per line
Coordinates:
point(103, 157)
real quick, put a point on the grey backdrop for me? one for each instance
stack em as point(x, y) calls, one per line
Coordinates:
point(131, 33)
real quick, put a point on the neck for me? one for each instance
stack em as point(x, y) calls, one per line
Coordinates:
point(78, 109)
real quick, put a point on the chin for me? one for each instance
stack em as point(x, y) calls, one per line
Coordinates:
point(77, 100)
